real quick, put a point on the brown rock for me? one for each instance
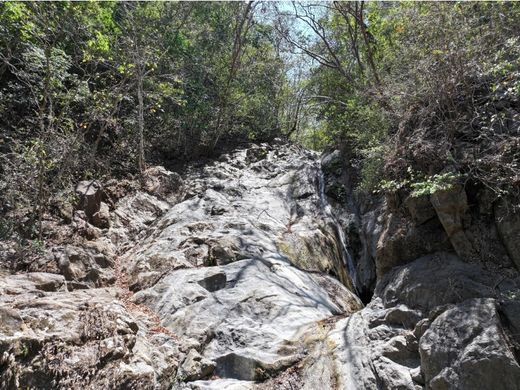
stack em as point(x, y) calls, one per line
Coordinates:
point(451, 206)
point(164, 184)
point(101, 218)
point(420, 208)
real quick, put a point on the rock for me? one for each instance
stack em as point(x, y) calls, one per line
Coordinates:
point(332, 162)
point(402, 241)
point(402, 315)
point(434, 280)
point(217, 384)
point(256, 154)
point(65, 210)
point(118, 189)
point(394, 376)
point(164, 184)
point(465, 348)
point(195, 367)
point(510, 309)
point(233, 287)
point(451, 206)
point(10, 322)
point(261, 309)
point(507, 220)
point(214, 281)
point(101, 218)
point(420, 208)
point(417, 376)
point(370, 230)
point(421, 327)
point(66, 336)
point(84, 228)
point(32, 282)
point(90, 195)
point(223, 251)
point(78, 264)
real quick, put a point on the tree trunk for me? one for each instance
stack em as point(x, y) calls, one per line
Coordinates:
point(240, 32)
point(140, 120)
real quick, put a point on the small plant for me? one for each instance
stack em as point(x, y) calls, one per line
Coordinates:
point(419, 184)
point(434, 183)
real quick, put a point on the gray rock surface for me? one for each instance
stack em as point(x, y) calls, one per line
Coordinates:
point(417, 333)
point(465, 347)
point(228, 268)
point(435, 280)
point(235, 276)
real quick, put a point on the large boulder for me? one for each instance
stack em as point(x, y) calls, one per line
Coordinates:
point(101, 218)
point(164, 184)
point(434, 280)
point(195, 367)
point(451, 206)
point(465, 348)
point(90, 193)
point(402, 241)
point(84, 267)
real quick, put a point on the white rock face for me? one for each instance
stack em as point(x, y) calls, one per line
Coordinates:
point(238, 281)
point(229, 285)
point(225, 271)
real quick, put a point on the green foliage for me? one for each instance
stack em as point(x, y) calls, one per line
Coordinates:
point(430, 82)
point(372, 169)
point(421, 185)
point(434, 183)
point(69, 76)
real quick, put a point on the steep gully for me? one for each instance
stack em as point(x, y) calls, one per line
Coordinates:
point(240, 276)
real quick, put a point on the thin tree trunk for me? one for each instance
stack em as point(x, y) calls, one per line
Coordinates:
point(40, 201)
point(140, 120)
point(240, 33)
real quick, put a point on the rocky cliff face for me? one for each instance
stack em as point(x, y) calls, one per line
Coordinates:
point(249, 272)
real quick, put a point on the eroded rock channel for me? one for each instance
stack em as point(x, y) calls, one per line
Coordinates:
point(238, 274)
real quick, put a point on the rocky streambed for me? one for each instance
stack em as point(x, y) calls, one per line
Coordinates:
point(239, 274)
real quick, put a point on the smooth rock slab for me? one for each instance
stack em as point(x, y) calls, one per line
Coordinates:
point(252, 326)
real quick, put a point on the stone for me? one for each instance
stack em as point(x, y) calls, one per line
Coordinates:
point(83, 227)
point(402, 241)
point(236, 286)
point(64, 336)
point(510, 309)
point(332, 162)
point(214, 281)
point(79, 264)
point(402, 315)
point(434, 280)
point(420, 208)
point(256, 154)
point(195, 367)
point(90, 193)
point(101, 218)
point(451, 206)
point(421, 327)
point(164, 184)
point(465, 348)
